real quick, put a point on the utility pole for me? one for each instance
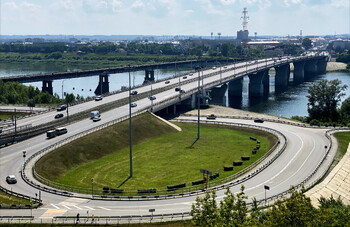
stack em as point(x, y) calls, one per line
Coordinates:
point(130, 129)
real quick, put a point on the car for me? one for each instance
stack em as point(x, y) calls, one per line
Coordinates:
point(191, 74)
point(184, 77)
point(177, 89)
point(182, 91)
point(61, 107)
point(211, 117)
point(97, 118)
point(133, 104)
point(167, 82)
point(133, 93)
point(152, 97)
point(98, 98)
point(259, 120)
point(11, 179)
point(225, 67)
point(58, 116)
point(213, 68)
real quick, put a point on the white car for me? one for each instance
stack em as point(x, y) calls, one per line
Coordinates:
point(133, 104)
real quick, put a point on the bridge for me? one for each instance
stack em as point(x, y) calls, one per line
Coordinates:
point(103, 85)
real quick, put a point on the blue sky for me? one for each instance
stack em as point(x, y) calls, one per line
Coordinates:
point(173, 17)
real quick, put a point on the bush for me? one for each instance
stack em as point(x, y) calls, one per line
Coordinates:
point(315, 122)
point(228, 168)
point(238, 163)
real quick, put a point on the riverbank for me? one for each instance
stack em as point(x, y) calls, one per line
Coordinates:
point(336, 66)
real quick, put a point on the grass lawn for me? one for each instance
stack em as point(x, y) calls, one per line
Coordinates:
point(8, 115)
point(10, 199)
point(158, 161)
point(343, 141)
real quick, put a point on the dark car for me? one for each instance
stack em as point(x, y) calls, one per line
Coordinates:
point(167, 82)
point(259, 120)
point(58, 116)
point(184, 77)
point(61, 107)
point(211, 117)
point(177, 89)
point(133, 93)
point(11, 179)
point(98, 98)
point(133, 104)
point(152, 97)
point(182, 91)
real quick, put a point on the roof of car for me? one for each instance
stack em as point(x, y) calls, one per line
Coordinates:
point(12, 176)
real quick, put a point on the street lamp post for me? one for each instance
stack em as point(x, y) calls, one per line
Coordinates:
point(62, 89)
point(130, 134)
point(198, 102)
point(92, 187)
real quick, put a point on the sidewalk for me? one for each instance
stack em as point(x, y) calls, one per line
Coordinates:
point(336, 184)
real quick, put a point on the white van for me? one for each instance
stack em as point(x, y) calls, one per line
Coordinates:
point(94, 113)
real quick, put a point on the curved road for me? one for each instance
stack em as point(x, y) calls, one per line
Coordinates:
point(304, 152)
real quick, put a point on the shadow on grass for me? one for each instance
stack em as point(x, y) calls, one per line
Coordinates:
point(124, 182)
point(191, 147)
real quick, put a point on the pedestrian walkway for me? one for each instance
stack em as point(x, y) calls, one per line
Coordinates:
point(336, 184)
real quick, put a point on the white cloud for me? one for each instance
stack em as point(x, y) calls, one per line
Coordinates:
point(227, 2)
point(138, 4)
point(11, 5)
point(116, 5)
point(341, 3)
point(289, 2)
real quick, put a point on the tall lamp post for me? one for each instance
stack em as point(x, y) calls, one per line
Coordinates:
point(220, 72)
point(266, 188)
point(92, 187)
point(198, 100)
point(130, 134)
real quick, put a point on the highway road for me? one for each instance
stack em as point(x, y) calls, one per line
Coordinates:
point(305, 150)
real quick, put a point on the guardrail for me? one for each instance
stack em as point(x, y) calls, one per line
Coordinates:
point(160, 194)
point(36, 202)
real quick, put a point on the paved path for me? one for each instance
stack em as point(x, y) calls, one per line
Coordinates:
point(336, 184)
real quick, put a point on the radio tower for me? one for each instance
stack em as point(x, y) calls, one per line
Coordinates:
point(245, 19)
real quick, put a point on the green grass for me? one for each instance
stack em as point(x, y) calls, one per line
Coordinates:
point(10, 199)
point(159, 159)
point(8, 115)
point(343, 139)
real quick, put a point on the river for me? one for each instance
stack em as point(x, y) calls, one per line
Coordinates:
point(291, 102)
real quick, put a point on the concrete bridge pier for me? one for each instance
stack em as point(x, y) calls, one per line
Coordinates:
point(235, 87)
point(257, 82)
point(103, 84)
point(282, 77)
point(149, 75)
point(298, 74)
point(47, 86)
point(322, 66)
point(217, 94)
point(310, 68)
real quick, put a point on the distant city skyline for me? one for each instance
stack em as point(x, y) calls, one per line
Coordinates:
point(173, 17)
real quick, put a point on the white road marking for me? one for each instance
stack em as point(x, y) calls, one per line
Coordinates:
point(89, 208)
point(66, 207)
point(55, 206)
point(103, 208)
point(77, 207)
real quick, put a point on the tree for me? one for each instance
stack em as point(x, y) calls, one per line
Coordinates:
point(307, 43)
point(70, 98)
point(345, 110)
point(294, 211)
point(323, 99)
point(205, 211)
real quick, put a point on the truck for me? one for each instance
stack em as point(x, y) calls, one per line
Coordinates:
point(94, 113)
point(50, 134)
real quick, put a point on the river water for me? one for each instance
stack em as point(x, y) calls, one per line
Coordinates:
point(291, 102)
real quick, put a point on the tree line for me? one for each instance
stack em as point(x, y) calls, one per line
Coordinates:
point(16, 93)
point(296, 210)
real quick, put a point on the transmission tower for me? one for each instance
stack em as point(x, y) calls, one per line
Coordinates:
point(245, 19)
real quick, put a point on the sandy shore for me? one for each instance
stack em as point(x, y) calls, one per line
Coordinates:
point(221, 111)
